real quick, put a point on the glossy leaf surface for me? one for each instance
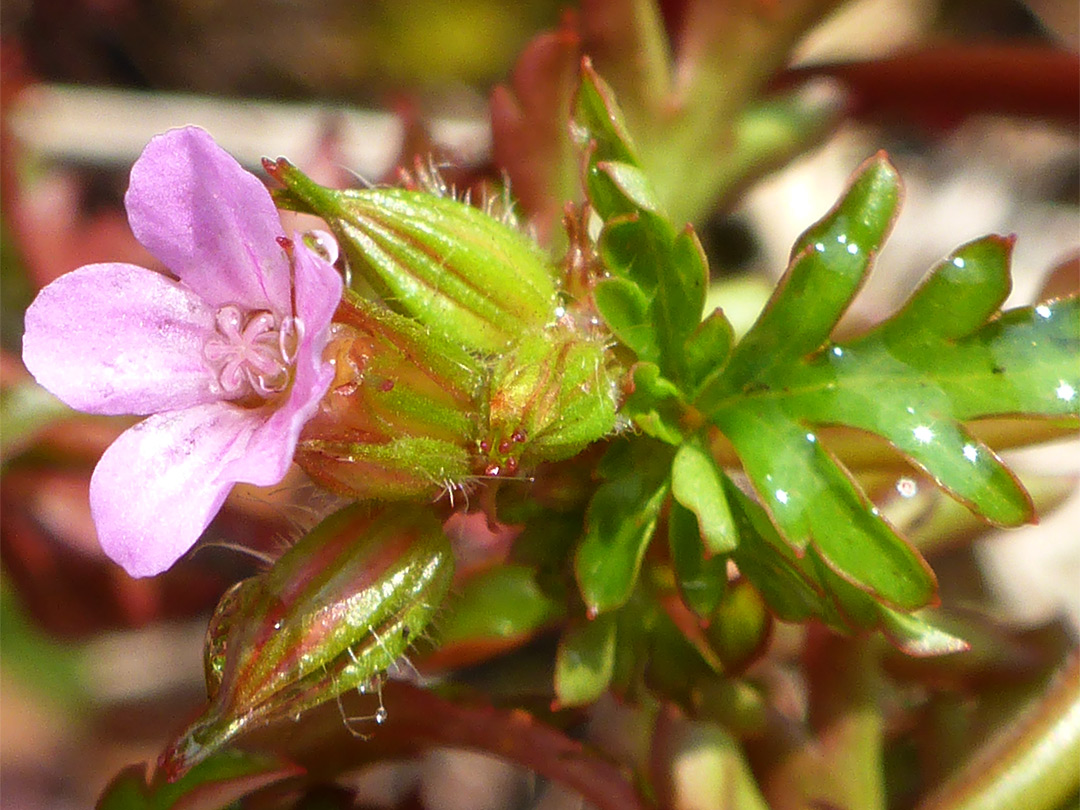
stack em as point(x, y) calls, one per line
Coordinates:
point(911, 380)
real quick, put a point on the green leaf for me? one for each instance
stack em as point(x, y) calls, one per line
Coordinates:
point(708, 348)
point(625, 310)
point(655, 405)
point(670, 269)
point(620, 521)
point(585, 661)
point(638, 244)
point(216, 782)
point(698, 484)
point(785, 580)
point(740, 627)
point(911, 380)
point(915, 634)
point(599, 128)
point(500, 603)
point(627, 186)
point(814, 502)
point(828, 265)
point(701, 581)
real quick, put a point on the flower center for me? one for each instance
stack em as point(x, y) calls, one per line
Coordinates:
point(252, 352)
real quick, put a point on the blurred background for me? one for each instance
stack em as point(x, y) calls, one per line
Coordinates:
point(96, 668)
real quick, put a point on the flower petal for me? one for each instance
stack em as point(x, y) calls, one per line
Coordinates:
point(210, 221)
point(318, 292)
point(117, 338)
point(159, 484)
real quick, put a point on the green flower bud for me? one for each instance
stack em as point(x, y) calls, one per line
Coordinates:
point(447, 264)
point(331, 615)
point(401, 417)
point(551, 395)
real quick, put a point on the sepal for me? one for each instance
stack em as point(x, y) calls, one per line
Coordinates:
point(460, 272)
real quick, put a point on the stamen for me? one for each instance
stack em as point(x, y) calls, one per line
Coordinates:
point(252, 352)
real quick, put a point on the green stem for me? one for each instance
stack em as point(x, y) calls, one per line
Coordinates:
point(1032, 764)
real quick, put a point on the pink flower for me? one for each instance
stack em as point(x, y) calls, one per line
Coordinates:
point(227, 361)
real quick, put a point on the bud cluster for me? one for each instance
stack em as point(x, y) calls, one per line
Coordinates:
point(464, 368)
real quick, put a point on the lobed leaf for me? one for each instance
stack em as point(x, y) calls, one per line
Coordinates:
point(912, 380)
point(640, 247)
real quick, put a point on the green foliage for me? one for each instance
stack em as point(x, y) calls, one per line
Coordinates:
point(814, 546)
point(501, 603)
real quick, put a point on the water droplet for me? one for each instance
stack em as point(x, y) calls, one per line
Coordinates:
point(907, 487)
point(909, 409)
point(923, 434)
point(781, 496)
point(971, 453)
point(381, 715)
point(852, 248)
point(1043, 311)
point(810, 437)
point(842, 239)
point(958, 261)
point(819, 247)
point(560, 311)
point(875, 511)
point(1065, 391)
point(836, 350)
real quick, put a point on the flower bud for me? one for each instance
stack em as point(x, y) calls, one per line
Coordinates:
point(331, 615)
point(449, 265)
point(551, 395)
point(400, 419)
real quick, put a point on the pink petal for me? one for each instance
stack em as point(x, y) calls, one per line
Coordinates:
point(116, 338)
point(210, 221)
point(160, 483)
point(270, 452)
